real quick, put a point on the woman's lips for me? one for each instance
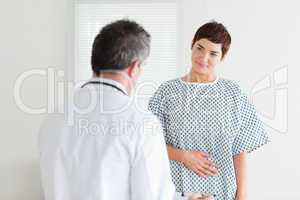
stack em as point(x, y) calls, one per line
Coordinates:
point(201, 65)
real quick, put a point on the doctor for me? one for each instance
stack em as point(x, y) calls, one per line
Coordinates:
point(111, 151)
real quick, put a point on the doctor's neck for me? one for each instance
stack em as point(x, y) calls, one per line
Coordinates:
point(120, 76)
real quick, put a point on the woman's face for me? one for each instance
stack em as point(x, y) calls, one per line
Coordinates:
point(205, 56)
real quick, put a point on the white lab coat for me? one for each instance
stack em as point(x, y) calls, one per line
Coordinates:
point(104, 156)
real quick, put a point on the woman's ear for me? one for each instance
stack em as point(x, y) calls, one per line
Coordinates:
point(223, 57)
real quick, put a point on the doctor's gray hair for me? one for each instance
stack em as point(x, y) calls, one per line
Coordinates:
point(119, 44)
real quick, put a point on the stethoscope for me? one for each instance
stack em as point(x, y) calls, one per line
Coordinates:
point(104, 83)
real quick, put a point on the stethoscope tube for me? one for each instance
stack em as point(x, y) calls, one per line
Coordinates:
point(104, 83)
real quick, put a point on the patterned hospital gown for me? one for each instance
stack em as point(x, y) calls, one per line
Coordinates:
point(213, 117)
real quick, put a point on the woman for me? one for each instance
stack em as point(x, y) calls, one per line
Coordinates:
point(209, 124)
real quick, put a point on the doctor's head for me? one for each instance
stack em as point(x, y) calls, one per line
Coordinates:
point(121, 46)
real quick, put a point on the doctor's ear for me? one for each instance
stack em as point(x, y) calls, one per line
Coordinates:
point(134, 68)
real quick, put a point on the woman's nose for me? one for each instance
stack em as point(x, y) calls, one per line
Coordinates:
point(204, 58)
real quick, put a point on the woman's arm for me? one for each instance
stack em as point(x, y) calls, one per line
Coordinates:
point(240, 166)
point(175, 154)
point(196, 161)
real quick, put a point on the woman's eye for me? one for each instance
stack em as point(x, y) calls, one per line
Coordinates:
point(213, 54)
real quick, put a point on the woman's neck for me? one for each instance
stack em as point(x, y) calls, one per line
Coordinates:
point(199, 78)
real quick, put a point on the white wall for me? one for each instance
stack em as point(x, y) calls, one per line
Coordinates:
point(33, 35)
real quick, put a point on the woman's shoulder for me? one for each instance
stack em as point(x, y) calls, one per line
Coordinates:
point(230, 86)
point(168, 86)
point(162, 95)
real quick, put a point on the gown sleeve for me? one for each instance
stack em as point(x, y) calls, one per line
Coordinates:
point(158, 106)
point(252, 133)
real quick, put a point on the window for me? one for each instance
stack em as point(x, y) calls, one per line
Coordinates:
point(159, 18)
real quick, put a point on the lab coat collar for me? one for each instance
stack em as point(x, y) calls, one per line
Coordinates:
point(110, 81)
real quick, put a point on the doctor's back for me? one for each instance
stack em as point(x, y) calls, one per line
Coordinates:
point(104, 147)
point(112, 152)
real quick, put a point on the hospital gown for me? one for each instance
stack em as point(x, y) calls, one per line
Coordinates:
point(216, 118)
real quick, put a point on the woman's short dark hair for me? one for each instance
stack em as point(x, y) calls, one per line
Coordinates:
point(118, 44)
point(216, 33)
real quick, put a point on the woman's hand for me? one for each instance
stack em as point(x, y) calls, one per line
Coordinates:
point(199, 197)
point(199, 162)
